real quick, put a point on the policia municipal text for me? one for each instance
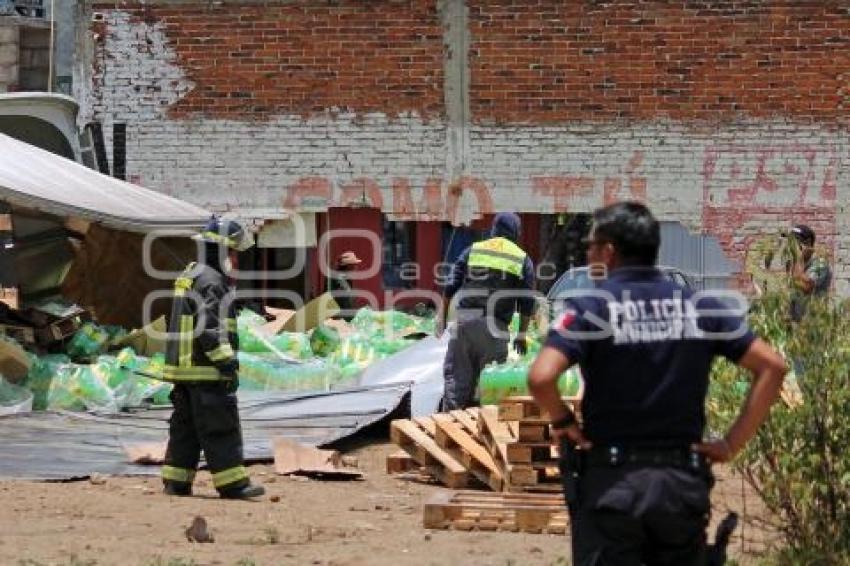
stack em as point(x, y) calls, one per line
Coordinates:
point(636, 472)
point(201, 362)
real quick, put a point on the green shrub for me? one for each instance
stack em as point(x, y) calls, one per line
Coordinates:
point(799, 463)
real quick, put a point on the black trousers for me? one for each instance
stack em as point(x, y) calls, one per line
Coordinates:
point(472, 346)
point(632, 515)
point(205, 418)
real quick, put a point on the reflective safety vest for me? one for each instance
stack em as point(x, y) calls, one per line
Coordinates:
point(498, 254)
point(193, 352)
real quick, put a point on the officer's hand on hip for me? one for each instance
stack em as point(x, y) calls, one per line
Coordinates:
point(573, 434)
point(717, 450)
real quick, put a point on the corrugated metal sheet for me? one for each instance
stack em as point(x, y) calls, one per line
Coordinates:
point(698, 255)
point(65, 446)
point(36, 179)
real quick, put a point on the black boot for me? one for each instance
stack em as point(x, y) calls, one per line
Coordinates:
point(179, 489)
point(246, 491)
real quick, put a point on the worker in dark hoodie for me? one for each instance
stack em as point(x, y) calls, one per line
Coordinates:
point(489, 282)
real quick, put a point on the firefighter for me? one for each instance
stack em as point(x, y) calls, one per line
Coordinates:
point(492, 279)
point(201, 362)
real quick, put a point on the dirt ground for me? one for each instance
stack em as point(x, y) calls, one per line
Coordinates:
point(127, 521)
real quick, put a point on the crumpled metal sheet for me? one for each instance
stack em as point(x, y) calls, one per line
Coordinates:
point(420, 365)
point(65, 446)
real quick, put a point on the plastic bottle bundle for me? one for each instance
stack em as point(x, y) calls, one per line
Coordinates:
point(79, 388)
point(355, 349)
point(92, 339)
point(129, 382)
point(324, 340)
point(253, 338)
point(499, 381)
point(14, 398)
point(391, 323)
point(40, 376)
point(264, 372)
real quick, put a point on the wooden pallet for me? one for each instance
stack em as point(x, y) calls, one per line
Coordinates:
point(528, 452)
point(457, 440)
point(524, 409)
point(533, 432)
point(521, 476)
point(416, 437)
point(487, 511)
point(401, 462)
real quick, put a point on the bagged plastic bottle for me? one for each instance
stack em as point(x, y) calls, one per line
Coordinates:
point(324, 340)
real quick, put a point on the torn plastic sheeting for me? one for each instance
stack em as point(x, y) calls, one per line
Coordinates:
point(65, 446)
point(421, 366)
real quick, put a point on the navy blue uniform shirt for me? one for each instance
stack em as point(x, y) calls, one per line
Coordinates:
point(645, 347)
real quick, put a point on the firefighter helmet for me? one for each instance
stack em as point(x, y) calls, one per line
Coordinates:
point(228, 233)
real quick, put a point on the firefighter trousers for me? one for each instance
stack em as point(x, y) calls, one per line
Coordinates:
point(474, 343)
point(205, 418)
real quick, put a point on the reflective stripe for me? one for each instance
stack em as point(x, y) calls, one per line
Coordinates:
point(229, 476)
point(223, 352)
point(184, 282)
point(221, 239)
point(498, 253)
point(172, 473)
point(231, 325)
point(197, 373)
point(187, 328)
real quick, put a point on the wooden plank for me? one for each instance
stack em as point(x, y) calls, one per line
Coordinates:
point(487, 511)
point(427, 424)
point(466, 420)
point(401, 462)
point(413, 440)
point(524, 408)
point(451, 436)
point(528, 452)
point(496, 434)
point(532, 432)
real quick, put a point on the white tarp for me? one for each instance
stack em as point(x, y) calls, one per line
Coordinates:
point(36, 179)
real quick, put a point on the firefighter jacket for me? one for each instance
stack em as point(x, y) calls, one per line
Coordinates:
point(496, 265)
point(202, 341)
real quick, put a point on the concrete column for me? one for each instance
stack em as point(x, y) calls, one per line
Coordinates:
point(9, 57)
point(454, 15)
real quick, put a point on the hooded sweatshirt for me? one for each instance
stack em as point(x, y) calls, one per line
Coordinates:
point(505, 225)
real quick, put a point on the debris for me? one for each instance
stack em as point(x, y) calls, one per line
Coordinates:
point(97, 479)
point(198, 531)
point(15, 363)
point(310, 315)
point(147, 453)
point(293, 458)
point(275, 498)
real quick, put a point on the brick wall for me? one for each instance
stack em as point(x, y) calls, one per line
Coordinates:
point(550, 61)
point(726, 116)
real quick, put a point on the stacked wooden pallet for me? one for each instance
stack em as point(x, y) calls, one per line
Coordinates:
point(506, 449)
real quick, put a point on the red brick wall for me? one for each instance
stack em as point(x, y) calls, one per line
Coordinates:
point(255, 60)
point(543, 61)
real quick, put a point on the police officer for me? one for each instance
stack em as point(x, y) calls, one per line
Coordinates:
point(201, 362)
point(492, 279)
point(810, 274)
point(636, 472)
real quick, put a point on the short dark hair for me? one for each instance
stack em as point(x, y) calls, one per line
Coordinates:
point(804, 234)
point(632, 229)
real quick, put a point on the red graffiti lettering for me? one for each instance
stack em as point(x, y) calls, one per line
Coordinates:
point(362, 191)
point(318, 187)
point(562, 189)
point(455, 193)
